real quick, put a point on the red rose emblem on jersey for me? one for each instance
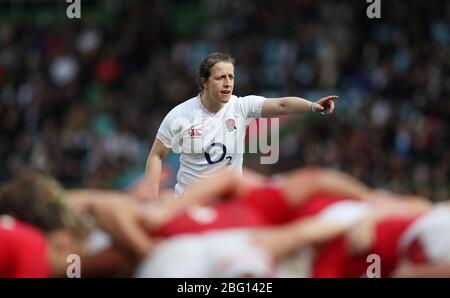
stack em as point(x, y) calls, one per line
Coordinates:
point(230, 124)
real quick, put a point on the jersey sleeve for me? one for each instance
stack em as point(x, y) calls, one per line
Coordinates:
point(251, 106)
point(169, 129)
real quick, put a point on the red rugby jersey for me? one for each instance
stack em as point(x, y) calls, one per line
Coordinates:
point(261, 206)
point(23, 250)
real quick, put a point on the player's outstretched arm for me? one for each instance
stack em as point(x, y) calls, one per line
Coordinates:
point(284, 240)
point(118, 215)
point(299, 185)
point(273, 107)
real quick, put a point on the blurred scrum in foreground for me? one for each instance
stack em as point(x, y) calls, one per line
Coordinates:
point(82, 98)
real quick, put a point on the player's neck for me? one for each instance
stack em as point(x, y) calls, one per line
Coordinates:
point(213, 106)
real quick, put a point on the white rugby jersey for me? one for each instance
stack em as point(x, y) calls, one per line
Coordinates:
point(208, 142)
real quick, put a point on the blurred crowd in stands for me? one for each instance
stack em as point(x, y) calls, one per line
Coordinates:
point(82, 99)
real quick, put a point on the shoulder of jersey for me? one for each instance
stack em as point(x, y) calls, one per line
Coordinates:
point(186, 106)
point(234, 98)
point(237, 99)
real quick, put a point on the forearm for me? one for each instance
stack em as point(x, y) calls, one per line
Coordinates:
point(295, 105)
point(300, 185)
point(84, 200)
point(118, 215)
point(153, 175)
point(284, 240)
point(342, 184)
point(148, 187)
point(210, 189)
point(273, 107)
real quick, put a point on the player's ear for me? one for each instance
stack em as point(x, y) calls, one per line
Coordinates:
point(204, 83)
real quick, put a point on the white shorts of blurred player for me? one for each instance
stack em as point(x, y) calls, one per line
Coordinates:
point(432, 231)
point(346, 213)
point(217, 254)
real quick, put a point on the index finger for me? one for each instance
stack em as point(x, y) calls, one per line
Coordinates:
point(331, 97)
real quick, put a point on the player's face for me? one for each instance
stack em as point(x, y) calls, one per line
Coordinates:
point(220, 83)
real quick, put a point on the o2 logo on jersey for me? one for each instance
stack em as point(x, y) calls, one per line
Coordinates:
point(222, 156)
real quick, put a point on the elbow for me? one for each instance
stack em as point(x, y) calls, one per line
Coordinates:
point(283, 108)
